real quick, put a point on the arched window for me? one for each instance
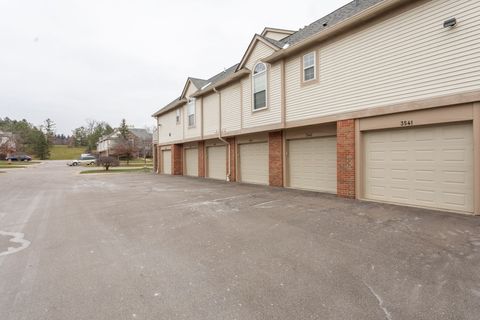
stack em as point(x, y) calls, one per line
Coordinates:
point(259, 86)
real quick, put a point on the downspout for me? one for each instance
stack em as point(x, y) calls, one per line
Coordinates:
point(220, 131)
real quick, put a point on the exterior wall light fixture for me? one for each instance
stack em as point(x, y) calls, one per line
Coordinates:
point(450, 23)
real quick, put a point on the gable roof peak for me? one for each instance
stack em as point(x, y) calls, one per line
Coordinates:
point(277, 30)
point(274, 44)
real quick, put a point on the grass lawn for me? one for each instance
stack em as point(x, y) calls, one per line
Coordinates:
point(117, 170)
point(10, 166)
point(136, 163)
point(61, 152)
point(16, 164)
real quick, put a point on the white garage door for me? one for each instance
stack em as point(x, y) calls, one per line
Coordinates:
point(312, 164)
point(254, 163)
point(217, 162)
point(167, 161)
point(425, 166)
point(191, 162)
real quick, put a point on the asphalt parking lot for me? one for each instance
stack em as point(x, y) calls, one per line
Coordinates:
point(143, 246)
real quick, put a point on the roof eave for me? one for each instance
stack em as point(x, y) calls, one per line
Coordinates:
point(235, 76)
point(360, 17)
point(169, 108)
point(279, 30)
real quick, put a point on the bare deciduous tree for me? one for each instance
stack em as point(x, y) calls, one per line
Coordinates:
point(108, 162)
point(125, 149)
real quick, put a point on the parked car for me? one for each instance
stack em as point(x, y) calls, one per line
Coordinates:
point(83, 161)
point(22, 157)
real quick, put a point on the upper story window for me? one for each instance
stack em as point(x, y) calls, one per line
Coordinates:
point(177, 116)
point(191, 112)
point(309, 66)
point(259, 86)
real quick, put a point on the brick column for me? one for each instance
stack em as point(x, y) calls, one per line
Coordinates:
point(346, 159)
point(233, 159)
point(159, 159)
point(201, 159)
point(154, 158)
point(177, 159)
point(275, 158)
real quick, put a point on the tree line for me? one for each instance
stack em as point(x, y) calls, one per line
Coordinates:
point(88, 135)
point(37, 140)
point(28, 138)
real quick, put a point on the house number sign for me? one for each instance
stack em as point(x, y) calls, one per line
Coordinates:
point(406, 123)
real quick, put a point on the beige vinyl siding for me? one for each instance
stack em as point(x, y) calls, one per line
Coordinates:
point(272, 114)
point(169, 130)
point(404, 58)
point(210, 114)
point(275, 94)
point(231, 108)
point(193, 132)
point(190, 90)
point(260, 51)
point(427, 166)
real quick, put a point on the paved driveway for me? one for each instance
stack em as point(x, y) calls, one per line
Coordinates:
point(141, 246)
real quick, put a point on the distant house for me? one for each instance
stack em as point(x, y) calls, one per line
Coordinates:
point(7, 144)
point(141, 139)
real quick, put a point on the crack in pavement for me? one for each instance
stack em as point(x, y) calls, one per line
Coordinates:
point(380, 302)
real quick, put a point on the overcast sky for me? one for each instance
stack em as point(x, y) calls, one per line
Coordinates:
point(107, 60)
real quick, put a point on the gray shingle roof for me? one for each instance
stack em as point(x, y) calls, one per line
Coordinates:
point(198, 82)
point(222, 75)
point(276, 43)
point(339, 15)
point(141, 133)
point(168, 107)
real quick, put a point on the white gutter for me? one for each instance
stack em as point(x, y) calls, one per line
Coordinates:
point(220, 132)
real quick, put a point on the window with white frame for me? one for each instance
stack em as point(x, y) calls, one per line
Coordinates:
point(177, 116)
point(259, 86)
point(309, 66)
point(191, 112)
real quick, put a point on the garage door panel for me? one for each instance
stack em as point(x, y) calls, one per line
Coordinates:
point(313, 164)
point(254, 163)
point(217, 162)
point(455, 199)
point(454, 155)
point(427, 155)
point(427, 196)
point(400, 193)
point(452, 178)
point(397, 137)
point(167, 161)
point(435, 166)
point(422, 175)
point(191, 162)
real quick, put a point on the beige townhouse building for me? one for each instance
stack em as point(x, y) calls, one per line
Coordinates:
point(379, 101)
